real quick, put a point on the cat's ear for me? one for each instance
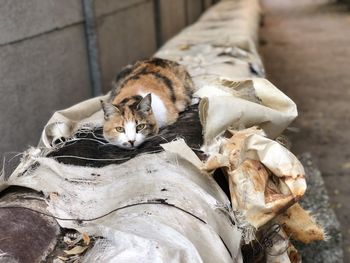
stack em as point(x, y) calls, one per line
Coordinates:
point(145, 104)
point(109, 109)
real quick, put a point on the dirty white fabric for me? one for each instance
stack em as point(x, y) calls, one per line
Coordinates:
point(221, 44)
point(199, 229)
point(242, 104)
point(64, 123)
point(229, 30)
point(259, 195)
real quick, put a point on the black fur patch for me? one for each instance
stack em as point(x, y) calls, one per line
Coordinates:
point(167, 83)
point(188, 86)
point(137, 99)
point(136, 76)
point(124, 101)
point(164, 79)
point(159, 62)
point(124, 72)
point(119, 78)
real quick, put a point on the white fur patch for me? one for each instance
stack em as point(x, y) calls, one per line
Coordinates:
point(130, 134)
point(159, 110)
point(130, 130)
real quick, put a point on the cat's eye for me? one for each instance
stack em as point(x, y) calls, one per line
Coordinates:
point(140, 127)
point(119, 129)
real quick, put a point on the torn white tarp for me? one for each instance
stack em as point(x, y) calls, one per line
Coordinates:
point(170, 210)
point(264, 177)
point(64, 123)
point(242, 104)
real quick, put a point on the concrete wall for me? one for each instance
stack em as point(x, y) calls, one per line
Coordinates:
point(43, 66)
point(124, 35)
point(172, 17)
point(45, 61)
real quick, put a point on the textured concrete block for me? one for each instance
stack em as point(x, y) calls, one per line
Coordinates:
point(194, 10)
point(172, 17)
point(125, 37)
point(39, 76)
point(104, 7)
point(23, 19)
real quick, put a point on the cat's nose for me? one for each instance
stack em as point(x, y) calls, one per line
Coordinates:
point(132, 142)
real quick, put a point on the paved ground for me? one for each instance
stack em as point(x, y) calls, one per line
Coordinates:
point(306, 50)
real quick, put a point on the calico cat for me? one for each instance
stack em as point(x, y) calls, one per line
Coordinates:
point(146, 96)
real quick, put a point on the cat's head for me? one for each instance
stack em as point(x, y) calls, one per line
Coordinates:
point(129, 123)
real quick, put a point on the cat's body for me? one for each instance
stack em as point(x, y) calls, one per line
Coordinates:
point(146, 96)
